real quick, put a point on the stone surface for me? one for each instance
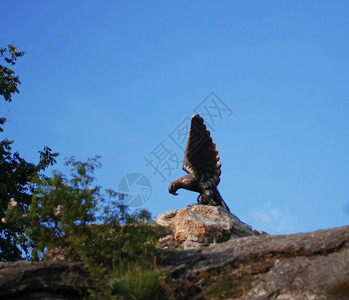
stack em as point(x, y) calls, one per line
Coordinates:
point(192, 242)
point(206, 223)
point(301, 266)
point(165, 218)
point(311, 265)
point(168, 242)
point(42, 280)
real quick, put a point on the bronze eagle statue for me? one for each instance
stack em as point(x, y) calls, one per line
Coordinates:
point(201, 162)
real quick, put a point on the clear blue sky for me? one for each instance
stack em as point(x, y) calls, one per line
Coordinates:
point(115, 78)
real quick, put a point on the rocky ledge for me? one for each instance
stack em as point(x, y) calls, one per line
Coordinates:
point(300, 266)
point(311, 265)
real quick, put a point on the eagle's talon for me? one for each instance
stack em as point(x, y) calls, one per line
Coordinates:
point(173, 189)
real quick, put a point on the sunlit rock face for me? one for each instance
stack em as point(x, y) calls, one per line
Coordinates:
point(201, 225)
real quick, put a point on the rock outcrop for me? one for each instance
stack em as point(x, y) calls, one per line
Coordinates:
point(311, 265)
point(300, 266)
point(200, 225)
point(43, 280)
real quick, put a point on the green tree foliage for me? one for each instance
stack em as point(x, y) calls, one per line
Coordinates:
point(94, 227)
point(8, 79)
point(15, 172)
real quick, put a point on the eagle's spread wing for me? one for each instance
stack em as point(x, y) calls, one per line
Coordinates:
point(201, 156)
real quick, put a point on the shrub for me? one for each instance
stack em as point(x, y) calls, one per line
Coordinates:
point(117, 248)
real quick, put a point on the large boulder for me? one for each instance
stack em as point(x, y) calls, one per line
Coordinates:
point(200, 225)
